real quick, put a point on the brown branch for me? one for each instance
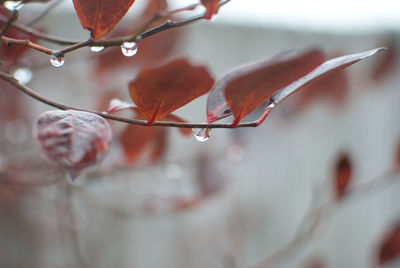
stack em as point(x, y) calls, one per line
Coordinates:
point(27, 43)
point(8, 23)
point(26, 90)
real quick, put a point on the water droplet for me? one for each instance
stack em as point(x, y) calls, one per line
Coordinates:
point(129, 49)
point(96, 48)
point(13, 5)
point(201, 134)
point(57, 61)
point(23, 75)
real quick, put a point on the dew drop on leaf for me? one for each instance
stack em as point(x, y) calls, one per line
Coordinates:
point(57, 61)
point(201, 134)
point(23, 75)
point(96, 49)
point(13, 5)
point(129, 49)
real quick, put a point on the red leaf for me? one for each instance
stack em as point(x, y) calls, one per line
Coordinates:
point(342, 176)
point(249, 86)
point(334, 85)
point(101, 16)
point(211, 6)
point(390, 247)
point(159, 91)
point(73, 139)
point(327, 67)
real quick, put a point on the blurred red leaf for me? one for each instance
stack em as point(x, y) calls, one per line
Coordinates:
point(10, 54)
point(342, 175)
point(211, 6)
point(389, 249)
point(333, 86)
point(10, 102)
point(135, 139)
point(101, 16)
point(73, 139)
point(159, 91)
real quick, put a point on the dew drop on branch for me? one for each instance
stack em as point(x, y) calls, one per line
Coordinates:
point(23, 75)
point(13, 5)
point(201, 134)
point(57, 61)
point(129, 49)
point(96, 49)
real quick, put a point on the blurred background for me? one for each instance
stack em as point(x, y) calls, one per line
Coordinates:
point(256, 197)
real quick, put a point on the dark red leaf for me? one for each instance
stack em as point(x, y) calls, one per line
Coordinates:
point(334, 86)
point(342, 175)
point(73, 139)
point(101, 16)
point(329, 66)
point(159, 91)
point(243, 89)
point(211, 6)
point(389, 249)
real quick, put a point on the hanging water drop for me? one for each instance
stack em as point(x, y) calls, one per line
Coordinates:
point(129, 49)
point(57, 61)
point(13, 5)
point(23, 75)
point(96, 49)
point(201, 134)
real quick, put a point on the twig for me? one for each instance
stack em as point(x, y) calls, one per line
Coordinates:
point(11, 80)
point(8, 23)
point(316, 216)
point(45, 12)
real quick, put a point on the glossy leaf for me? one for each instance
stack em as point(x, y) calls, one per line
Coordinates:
point(73, 139)
point(342, 175)
point(101, 16)
point(211, 6)
point(159, 91)
point(243, 89)
point(389, 249)
point(329, 66)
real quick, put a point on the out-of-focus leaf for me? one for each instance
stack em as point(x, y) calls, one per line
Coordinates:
point(9, 55)
point(211, 6)
point(389, 249)
point(243, 89)
point(10, 102)
point(101, 16)
point(73, 139)
point(333, 86)
point(159, 91)
point(342, 175)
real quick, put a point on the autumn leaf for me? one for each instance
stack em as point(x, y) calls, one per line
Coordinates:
point(389, 249)
point(245, 88)
point(342, 175)
point(159, 91)
point(73, 139)
point(211, 6)
point(101, 16)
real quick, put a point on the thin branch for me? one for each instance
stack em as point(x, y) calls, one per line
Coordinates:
point(27, 43)
point(45, 12)
point(26, 90)
point(8, 23)
point(31, 31)
point(321, 213)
